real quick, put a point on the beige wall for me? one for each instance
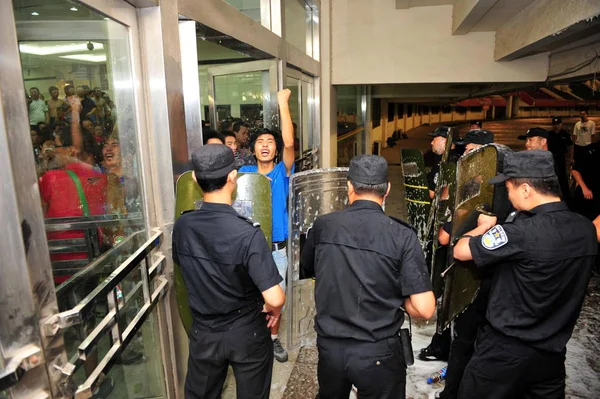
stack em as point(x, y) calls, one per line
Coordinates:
point(372, 42)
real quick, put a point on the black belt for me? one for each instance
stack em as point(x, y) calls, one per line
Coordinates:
point(279, 245)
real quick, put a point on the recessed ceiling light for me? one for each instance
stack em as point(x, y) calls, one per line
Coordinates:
point(35, 13)
point(41, 48)
point(106, 19)
point(86, 57)
point(73, 9)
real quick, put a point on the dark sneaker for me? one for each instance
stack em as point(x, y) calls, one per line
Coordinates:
point(429, 354)
point(280, 354)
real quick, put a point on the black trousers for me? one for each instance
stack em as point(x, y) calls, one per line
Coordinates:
point(465, 333)
point(248, 349)
point(505, 367)
point(377, 369)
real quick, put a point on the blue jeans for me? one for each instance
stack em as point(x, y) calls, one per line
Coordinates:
point(280, 258)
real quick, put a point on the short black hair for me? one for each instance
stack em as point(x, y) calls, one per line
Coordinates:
point(208, 134)
point(225, 125)
point(65, 136)
point(238, 125)
point(545, 186)
point(276, 135)
point(52, 88)
point(378, 190)
point(227, 133)
point(34, 88)
point(210, 185)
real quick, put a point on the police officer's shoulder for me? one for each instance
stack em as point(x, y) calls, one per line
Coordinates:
point(249, 221)
point(403, 223)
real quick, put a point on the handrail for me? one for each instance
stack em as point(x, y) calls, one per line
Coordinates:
point(85, 273)
point(74, 316)
point(351, 133)
point(93, 222)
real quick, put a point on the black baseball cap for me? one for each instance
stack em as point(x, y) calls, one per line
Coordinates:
point(537, 164)
point(368, 169)
point(441, 131)
point(477, 136)
point(212, 161)
point(478, 123)
point(534, 132)
point(556, 121)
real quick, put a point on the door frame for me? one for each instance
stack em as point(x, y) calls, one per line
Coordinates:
point(270, 114)
point(30, 267)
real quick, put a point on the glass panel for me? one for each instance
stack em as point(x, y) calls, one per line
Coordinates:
point(240, 95)
point(298, 25)
point(351, 106)
point(80, 98)
point(258, 10)
point(294, 85)
point(307, 116)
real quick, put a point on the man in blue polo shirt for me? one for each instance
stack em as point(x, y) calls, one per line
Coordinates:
point(274, 154)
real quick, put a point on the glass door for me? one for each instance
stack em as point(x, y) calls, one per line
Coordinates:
point(102, 272)
point(245, 91)
point(302, 108)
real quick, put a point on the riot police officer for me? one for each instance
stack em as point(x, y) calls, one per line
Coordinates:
point(232, 281)
point(543, 261)
point(367, 265)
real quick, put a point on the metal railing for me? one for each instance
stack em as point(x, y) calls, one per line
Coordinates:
point(152, 285)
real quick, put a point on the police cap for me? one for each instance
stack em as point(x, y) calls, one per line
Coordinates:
point(478, 123)
point(477, 136)
point(534, 164)
point(212, 161)
point(556, 121)
point(534, 132)
point(441, 131)
point(368, 169)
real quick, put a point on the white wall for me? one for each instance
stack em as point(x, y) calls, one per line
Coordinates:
point(372, 42)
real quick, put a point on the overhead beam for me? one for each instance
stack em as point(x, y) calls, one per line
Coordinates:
point(402, 4)
point(467, 13)
point(546, 25)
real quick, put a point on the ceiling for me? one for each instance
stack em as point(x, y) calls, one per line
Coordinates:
point(53, 10)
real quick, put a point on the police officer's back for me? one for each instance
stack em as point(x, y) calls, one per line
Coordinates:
point(366, 266)
point(231, 279)
point(543, 262)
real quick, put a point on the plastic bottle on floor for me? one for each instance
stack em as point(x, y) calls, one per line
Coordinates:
point(437, 376)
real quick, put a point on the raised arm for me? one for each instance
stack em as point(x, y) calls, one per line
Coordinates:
point(287, 129)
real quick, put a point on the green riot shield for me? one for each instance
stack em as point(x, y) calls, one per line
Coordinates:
point(252, 199)
point(416, 192)
point(462, 279)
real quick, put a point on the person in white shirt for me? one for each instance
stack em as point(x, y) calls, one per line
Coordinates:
point(584, 133)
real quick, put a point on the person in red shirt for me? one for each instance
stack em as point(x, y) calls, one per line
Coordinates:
point(70, 188)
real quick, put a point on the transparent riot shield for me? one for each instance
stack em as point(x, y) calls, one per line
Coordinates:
point(462, 279)
point(416, 192)
point(252, 199)
point(445, 195)
point(441, 194)
point(312, 193)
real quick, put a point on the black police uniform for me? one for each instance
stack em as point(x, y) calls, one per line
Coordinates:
point(226, 264)
point(365, 264)
point(588, 164)
point(559, 144)
point(543, 261)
